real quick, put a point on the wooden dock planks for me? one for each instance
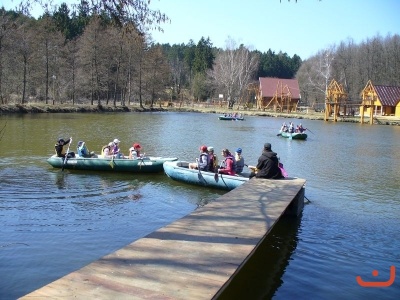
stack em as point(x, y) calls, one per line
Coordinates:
point(191, 258)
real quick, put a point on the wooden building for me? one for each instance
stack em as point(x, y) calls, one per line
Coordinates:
point(278, 94)
point(336, 98)
point(379, 100)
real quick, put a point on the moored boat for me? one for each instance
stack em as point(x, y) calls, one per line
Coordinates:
point(230, 118)
point(294, 135)
point(142, 165)
point(179, 171)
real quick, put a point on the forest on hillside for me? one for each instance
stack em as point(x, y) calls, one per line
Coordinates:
point(81, 55)
point(351, 65)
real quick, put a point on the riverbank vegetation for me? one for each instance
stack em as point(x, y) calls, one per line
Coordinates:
point(96, 56)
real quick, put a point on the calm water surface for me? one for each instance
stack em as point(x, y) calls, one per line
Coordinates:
point(55, 222)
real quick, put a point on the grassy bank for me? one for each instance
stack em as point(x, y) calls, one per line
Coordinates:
point(196, 108)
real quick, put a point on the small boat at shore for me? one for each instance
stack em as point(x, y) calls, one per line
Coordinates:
point(230, 118)
point(141, 165)
point(294, 135)
point(179, 171)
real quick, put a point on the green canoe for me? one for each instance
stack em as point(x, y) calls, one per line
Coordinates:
point(230, 118)
point(142, 165)
point(293, 136)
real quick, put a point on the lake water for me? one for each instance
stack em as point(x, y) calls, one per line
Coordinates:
point(55, 222)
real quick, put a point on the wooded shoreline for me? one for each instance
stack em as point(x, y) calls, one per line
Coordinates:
point(77, 108)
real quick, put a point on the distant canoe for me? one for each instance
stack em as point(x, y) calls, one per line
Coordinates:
point(179, 171)
point(293, 136)
point(144, 165)
point(230, 118)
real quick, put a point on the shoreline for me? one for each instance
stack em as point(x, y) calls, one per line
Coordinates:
point(194, 108)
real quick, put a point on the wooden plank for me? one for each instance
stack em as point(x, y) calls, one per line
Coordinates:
point(191, 258)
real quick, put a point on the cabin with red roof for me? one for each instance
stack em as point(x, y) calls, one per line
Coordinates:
point(278, 94)
point(380, 100)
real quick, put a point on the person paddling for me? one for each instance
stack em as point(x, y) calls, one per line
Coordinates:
point(59, 148)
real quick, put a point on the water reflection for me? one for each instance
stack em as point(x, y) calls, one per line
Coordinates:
point(54, 222)
point(261, 276)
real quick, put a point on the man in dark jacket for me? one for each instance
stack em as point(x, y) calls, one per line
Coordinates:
point(59, 148)
point(267, 166)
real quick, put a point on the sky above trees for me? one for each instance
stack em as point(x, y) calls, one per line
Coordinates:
point(303, 27)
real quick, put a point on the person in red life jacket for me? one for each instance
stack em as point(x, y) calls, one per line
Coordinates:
point(134, 151)
point(202, 162)
point(228, 164)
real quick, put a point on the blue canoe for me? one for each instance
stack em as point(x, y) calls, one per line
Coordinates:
point(179, 171)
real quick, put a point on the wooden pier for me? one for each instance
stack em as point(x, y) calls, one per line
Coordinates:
point(195, 257)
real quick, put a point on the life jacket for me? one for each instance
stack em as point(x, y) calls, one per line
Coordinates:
point(205, 157)
point(59, 149)
point(82, 149)
point(102, 149)
point(213, 162)
point(234, 165)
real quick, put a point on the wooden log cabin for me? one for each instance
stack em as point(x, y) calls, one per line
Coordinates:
point(379, 100)
point(278, 94)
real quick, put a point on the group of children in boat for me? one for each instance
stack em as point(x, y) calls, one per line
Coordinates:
point(111, 150)
point(291, 129)
point(268, 165)
point(208, 161)
point(233, 115)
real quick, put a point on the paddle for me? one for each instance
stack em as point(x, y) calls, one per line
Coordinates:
point(310, 131)
point(142, 162)
point(279, 134)
point(112, 162)
point(66, 154)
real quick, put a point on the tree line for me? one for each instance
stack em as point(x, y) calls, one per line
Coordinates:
point(82, 55)
point(351, 65)
point(97, 55)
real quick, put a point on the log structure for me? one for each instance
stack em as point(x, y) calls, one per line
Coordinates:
point(335, 98)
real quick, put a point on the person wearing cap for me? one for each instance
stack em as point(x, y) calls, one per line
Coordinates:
point(134, 151)
point(268, 165)
point(202, 162)
point(239, 160)
point(83, 151)
point(59, 148)
point(213, 160)
point(116, 150)
point(228, 164)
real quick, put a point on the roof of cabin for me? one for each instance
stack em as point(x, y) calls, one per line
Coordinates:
point(388, 95)
point(269, 85)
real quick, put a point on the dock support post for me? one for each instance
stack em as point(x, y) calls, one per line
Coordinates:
point(296, 206)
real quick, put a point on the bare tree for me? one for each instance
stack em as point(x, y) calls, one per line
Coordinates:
point(157, 73)
point(233, 70)
point(92, 67)
point(24, 50)
point(48, 57)
point(6, 27)
point(315, 74)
